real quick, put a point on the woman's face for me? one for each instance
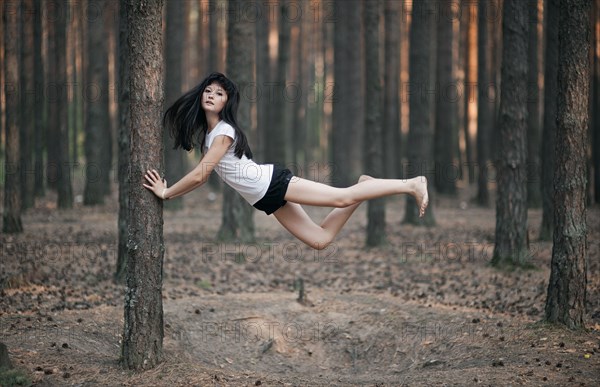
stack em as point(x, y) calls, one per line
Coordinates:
point(214, 98)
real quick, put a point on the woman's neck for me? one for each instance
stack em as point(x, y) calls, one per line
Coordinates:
point(212, 120)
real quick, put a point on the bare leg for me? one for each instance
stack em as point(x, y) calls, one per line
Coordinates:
point(293, 217)
point(308, 192)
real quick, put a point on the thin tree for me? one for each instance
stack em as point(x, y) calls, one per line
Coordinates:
point(392, 142)
point(373, 132)
point(347, 114)
point(549, 128)
point(445, 109)
point(484, 105)
point(420, 134)
point(142, 346)
point(96, 120)
point(40, 102)
point(263, 72)
point(11, 218)
point(511, 203)
point(174, 159)
point(465, 25)
point(567, 286)
point(123, 142)
point(27, 103)
point(534, 198)
point(596, 102)
point(237, 214)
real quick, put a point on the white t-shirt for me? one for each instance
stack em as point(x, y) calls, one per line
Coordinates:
point(249, 179)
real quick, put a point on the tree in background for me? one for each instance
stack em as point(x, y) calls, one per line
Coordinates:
point(11, 219)
point(549, 128)
point(484, 105)
point(511, 203)
point(567, 287)
point(237, 214)
point(534, 195)
point(40, 102)
point(142, 345)
point(392, 137)
point(420, 135)
point(27, 106)
point(373, 136)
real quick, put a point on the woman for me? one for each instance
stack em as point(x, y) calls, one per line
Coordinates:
point(206, 115)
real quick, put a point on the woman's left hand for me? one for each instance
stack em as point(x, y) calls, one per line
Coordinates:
point(157, 185)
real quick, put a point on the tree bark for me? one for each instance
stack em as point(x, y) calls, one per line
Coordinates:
point(124, 143)
point(484, 105)
point(11, 218)
point(392, 142)
point(534, 198)
point(237, 214)
point(263, 71)
point(40, 101)
point(567, 286)
point(511, 204)
point(420, 135)
point(373, 132)
point(445, 108)
point(97, 109)
point(347, 115)
point(596, 102)
point(142, 346)
point(27, 103)
point(549, 129)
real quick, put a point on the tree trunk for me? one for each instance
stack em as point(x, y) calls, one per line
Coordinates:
point(123, 141)
point(97, 110)
point(534, 199)
point(392, 142)
point(420, 135)
point(263, 71)
point(347, 115)
point(27, 103)
point(40, 101)
point(596, 111)
point(373, 136)
point(484, 105)
point(567, 287)
point(238, 215)
point(108, 9)
point(64, 165)
point(549, 135)
point(466, 31)
point(54, 94)
point(445, 109)
point(511, 204)
point(142, 346)
point(174, 159)
point(11, 219)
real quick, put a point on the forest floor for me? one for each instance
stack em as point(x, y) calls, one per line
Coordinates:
point(427, 309)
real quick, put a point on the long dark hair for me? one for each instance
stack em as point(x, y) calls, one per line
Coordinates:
point(186, 120)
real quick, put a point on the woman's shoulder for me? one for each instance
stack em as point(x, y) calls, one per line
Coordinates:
point(225, 128)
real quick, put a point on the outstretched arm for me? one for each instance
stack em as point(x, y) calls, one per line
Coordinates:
point(194, 178)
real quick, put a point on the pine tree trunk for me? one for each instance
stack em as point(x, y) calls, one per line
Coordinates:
point(373, 133)
point(107, 9)
point(64, 165)
point(596, 111)
point(123, 141)
point(567, 286)
point(420, 135)
point(465, 30)
point(27, 104)
point(511, 204)
point(142, 346)
point(11, 218)
point(40, 102)
point(392, 142)
point(484, 106)
point(97, 110)
point(347, 115)
point(53, 96)
point(549, 134)
point(262, 80)
point(534, 199)
point(238, 215)
point(445, 108)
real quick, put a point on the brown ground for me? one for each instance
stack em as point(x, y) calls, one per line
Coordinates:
point(425, 310)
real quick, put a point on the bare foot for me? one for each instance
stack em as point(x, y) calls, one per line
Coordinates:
point(421, 194)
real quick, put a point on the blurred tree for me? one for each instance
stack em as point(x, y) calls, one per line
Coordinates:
point(534, 198)
point(40, 100)
point(52, 95)
point(511, 204)
point(11, 217)
point(568, 276)
point(596, 101)
point(237, 215)
point(142, 345)
point(465, 31)
point(96, 125)
point(373, 131)
point(27, 105)
point(420, 135)
point(392, 137)
point(446, 107)
point(263, 71)
point(549, 128)
point(484, 104)
point(175, 36)
point(348, 115)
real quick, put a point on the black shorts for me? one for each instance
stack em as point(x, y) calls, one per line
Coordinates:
point(274, 198)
